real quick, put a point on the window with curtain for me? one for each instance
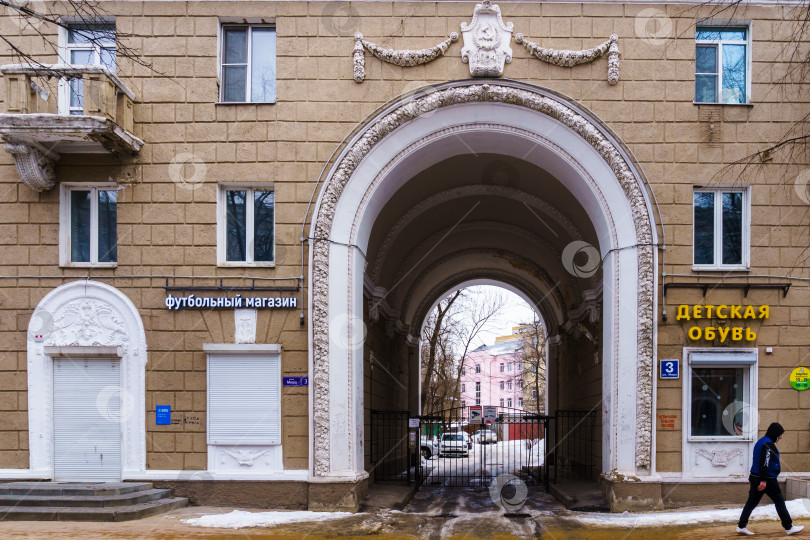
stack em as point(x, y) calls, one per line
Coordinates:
point(89, 232)
point(247, 220)
point(720, 228)
point(248, 64)
point(721, 64)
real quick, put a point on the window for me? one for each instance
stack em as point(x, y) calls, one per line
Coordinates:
point(509, 367)
point(88, 232)
point(520, 366)
point(534, 393)
point(721, 65)
point(463, 371)
point(721, 228)
point(520, 384)
point(720, 397)
point(509, 402)
point(520, 402)
point(84, 44)
point(501, 402)
point(244, 399)
point(478, 393)
point(463, 387)
point(246, 226)
point(478, 368)
point(502, 385)
point(248, 64)
point(501, 367)
point(509, 385)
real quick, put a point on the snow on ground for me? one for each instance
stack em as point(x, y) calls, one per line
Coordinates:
point(239, 519)
point(799, 508)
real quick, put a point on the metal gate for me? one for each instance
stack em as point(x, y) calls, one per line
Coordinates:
point(391, 459)
point(472, 446)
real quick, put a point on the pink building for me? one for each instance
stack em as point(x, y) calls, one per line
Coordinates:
point(493, 374)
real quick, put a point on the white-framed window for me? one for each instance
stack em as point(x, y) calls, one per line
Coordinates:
point(463, 387)
point(520, 402)
point(509, 385)
point(509, 402)
point(520, 384)
point(247, 63)
point(502, 385)
point(83, 43)
point(478, 393)
point(509, 367)
point(720, 397)
point(463, 371)
point(501, 402)
point(501, 367)
point(244, 399)
point(722, 228)
point(88, 225)
point(478, 368)
point(723, 64)
point(534, 393)
point(245, 226)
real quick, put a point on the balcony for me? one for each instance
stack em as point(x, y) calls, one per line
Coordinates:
point(43, 120)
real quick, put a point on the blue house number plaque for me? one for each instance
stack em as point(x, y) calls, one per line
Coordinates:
point(163, 415)
point(670, 369)
point(296, 381)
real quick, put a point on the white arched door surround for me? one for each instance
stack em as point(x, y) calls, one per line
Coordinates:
point(497, 117)
point(86, 319)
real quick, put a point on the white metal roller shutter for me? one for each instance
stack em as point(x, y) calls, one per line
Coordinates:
point(87, 419)
point(244, 399)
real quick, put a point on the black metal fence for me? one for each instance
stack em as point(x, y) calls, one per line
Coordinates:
point(390, 457)
point(467, 447)
point(577, 440)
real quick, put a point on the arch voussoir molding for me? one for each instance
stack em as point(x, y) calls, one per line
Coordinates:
point(408, 110)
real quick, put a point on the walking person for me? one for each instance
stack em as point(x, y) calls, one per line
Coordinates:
point(765, 470)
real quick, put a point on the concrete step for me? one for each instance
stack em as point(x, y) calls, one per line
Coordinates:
point(89, 489)
point(90, 501)
point(115, 513)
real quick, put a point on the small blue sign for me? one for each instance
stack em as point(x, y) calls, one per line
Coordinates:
point(163, 415)
point(670, 369)
point(296, 381)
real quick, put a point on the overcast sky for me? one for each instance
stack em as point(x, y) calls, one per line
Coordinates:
point(515, 312)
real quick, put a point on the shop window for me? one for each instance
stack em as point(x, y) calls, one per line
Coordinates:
point(246, 226)
point(244, 399)
point(721, 394)
point(721, 229)
point(247, 67)
point(84, 44)
point(722, 64)
point(88, 231)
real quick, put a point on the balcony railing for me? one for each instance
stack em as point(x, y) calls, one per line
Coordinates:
point(39, 124)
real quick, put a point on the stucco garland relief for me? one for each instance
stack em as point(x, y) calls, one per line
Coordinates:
point(406, 112)
point(566, 58)
point(486, 49)
point(403, 58)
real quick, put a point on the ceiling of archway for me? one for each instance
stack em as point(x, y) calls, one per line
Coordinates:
point(482, 213)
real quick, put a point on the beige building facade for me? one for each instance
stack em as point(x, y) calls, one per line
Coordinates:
point(222, 225)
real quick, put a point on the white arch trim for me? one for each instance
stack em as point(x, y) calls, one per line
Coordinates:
point(91, 316)
point(499, 118)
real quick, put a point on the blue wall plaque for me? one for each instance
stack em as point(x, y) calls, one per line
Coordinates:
point(670, 369)
point(296, 381)
point(163, 415)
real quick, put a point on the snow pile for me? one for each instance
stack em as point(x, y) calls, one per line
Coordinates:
point(239, 519)
point(798, 509)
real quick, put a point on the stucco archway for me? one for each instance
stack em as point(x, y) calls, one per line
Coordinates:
point(500, 117)
point(77, 318)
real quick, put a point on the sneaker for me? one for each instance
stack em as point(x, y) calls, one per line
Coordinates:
point(744, 531)
point(794, 530)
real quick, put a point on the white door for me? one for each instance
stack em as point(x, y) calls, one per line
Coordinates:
point(87, 419)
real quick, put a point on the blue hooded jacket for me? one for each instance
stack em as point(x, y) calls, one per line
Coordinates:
point(766, 457)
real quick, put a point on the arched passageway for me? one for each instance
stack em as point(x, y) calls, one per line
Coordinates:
point(502, 182)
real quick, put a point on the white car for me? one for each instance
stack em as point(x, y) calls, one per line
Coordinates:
point(456, 443)
point(485, 436)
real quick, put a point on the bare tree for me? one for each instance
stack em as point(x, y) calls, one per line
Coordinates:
point(437, 356)
point(534, 365)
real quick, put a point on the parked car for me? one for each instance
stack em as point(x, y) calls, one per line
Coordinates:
point(485, 436)
point(455, 443)
point(429, 447)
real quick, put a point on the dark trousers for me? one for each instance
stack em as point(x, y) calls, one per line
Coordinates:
point(754, 496)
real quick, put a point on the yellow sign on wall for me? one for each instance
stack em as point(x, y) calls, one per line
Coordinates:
point(800, 378)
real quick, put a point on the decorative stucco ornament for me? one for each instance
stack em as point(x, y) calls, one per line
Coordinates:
point(404, 57)
point(566, 58)
point(486, 41)
point(34, 165)
point(719, 458)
